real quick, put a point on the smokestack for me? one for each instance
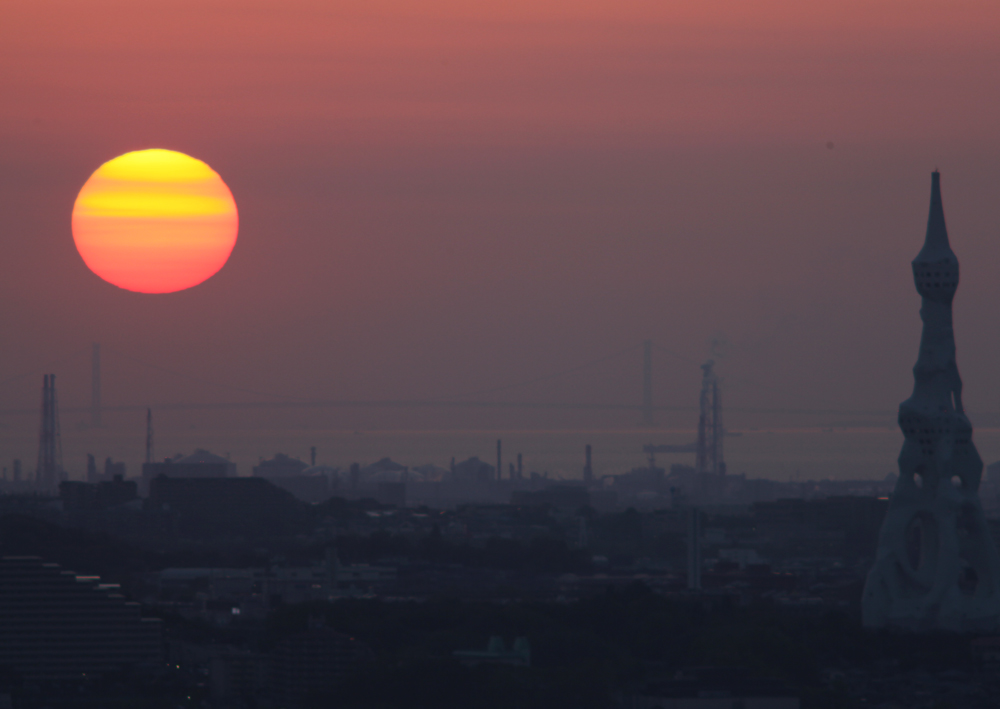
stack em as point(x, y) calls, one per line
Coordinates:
point(520, 468)
point(499, 462)
point(312, 456)
point(588, 471)
point(95, 386)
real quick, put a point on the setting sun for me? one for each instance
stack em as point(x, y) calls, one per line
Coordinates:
point(155, 221)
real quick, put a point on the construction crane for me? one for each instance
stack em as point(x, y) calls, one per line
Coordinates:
point(708, 447)
point(709, 458)
point(652, 450)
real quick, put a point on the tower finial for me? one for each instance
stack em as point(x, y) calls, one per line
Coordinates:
point(937, 232)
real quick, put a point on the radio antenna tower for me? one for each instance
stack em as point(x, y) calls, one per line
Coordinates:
point(95, 386)
point(149, 435)
point(49, 442)
point(710, 431)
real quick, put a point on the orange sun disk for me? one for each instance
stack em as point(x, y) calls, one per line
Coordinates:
point(155, 221)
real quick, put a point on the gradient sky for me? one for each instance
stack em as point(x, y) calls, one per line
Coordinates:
point(439, 198)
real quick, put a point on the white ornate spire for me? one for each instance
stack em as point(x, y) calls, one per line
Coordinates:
point(937, 567)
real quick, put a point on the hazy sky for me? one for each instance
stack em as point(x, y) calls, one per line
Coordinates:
point(438, 198)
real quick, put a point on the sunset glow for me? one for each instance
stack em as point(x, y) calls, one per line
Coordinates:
point(155, 221)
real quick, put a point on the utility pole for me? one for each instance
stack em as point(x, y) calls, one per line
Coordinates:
point(694, 549)
point(647, 383)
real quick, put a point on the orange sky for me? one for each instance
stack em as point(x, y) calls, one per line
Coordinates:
point(438, 197)
point(661, 71)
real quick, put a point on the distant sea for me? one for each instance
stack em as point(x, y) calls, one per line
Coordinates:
point(779, 454)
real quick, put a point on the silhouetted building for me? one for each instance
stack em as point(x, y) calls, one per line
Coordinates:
point(111, 470)
point(473, 470)
point(313, 662)
point(390, 493)
point(567, 497)
point(293, 475)
point(496, 653)
point(55, 624)
point(236, 674)
point(279, 466)
point(308, 488)
point(714, 688)
point(89, 496)
point(227, 506)
point(604, 501)
point(200, 464)
point(385, 470)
